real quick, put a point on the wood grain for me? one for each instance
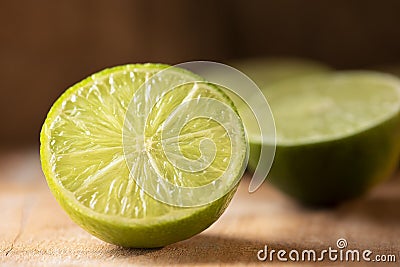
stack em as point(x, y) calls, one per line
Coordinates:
point(35, 231)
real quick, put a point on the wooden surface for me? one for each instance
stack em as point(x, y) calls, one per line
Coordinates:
point(35, 231)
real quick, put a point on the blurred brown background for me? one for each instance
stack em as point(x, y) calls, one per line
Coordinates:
point(47, 45)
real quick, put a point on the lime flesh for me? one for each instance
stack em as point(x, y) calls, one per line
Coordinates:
point(337, 134)
point(86, 167)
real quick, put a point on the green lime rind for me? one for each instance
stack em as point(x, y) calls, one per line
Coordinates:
point(177, 224)
point(141, 235)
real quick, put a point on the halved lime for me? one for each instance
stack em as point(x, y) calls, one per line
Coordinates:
point(111, 139)
point(337, 135)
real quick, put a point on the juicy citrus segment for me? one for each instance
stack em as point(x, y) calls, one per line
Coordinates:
point(189, 138)
point(321, 107)
point(86, 163)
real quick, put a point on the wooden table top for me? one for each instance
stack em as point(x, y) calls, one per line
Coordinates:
point(35, 231)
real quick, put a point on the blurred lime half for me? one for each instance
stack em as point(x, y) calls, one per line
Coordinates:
point(337, 134)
